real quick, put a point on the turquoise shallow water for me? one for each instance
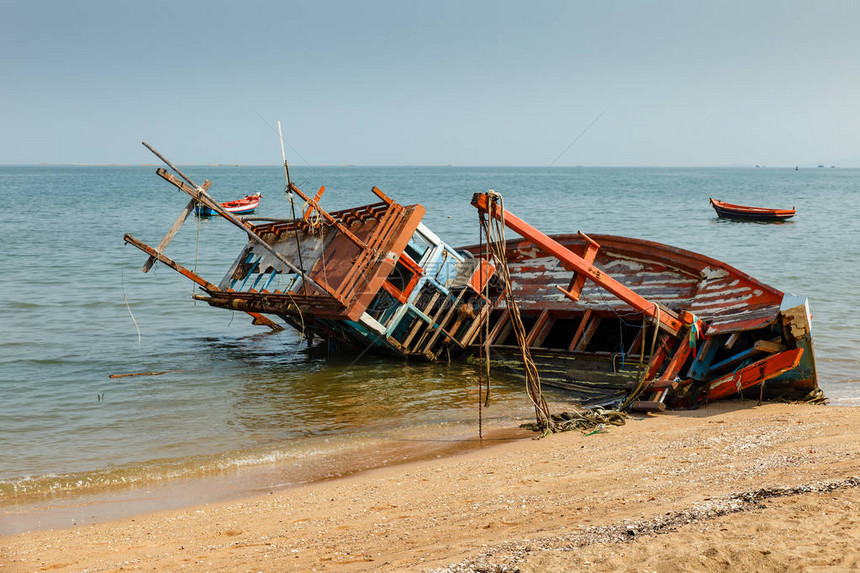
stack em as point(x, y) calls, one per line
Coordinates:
point(241, 397)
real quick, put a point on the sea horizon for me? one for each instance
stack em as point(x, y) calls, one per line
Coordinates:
point(432, 165)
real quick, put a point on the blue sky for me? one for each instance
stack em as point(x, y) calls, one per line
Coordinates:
point(432, 83)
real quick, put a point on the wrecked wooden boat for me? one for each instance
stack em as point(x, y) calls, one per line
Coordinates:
point(605, 315)
point(745, 213)
point(372, 276)
point(244, 206)
point(616, 320)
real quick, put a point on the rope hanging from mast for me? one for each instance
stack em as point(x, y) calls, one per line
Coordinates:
point(497, 245)
point(484, 348)
point(594, 419)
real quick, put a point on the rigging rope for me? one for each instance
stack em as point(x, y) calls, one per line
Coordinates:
point(497, 243)
point(289, 193)
point(128, 306)
point(546, 422)
point(481, 356)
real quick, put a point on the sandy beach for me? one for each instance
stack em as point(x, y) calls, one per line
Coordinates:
point(730, 487)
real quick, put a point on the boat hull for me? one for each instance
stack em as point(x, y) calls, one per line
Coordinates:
point(744, 213)
point(599, 347)
point(239, 207)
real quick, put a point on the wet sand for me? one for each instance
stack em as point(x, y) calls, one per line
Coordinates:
point(99, 503)
point(729, 487)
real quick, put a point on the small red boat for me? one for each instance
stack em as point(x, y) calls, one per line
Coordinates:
point(744, 213)
point(247, 204)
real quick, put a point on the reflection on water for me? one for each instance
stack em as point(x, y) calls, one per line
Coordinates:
point(259, 400)
point(286, 419)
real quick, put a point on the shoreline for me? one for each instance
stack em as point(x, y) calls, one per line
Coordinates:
point(117, 501)
point(523, 503)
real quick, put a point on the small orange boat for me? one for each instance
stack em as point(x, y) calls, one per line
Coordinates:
point(744, 213)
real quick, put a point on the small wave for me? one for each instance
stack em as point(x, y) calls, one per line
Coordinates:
point(29, 488)
point(840, 400)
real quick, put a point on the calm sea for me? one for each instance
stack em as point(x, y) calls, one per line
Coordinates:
point(242, 410)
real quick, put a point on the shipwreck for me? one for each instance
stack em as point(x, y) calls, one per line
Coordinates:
point(632, 323)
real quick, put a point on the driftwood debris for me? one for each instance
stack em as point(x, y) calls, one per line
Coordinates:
point(147, 373)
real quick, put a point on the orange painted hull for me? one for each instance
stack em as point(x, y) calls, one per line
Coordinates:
point(745, 213)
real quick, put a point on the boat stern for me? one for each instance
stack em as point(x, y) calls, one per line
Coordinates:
point(797, 324)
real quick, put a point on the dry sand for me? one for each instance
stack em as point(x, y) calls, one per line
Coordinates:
point(729, 487)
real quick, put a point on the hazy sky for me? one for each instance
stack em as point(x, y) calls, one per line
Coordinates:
point(428, 83)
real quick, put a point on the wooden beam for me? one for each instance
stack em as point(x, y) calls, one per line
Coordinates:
point(664, 346)
point(340, 226)
point(579, 330)
point(541, 321)
point(261, 320)
point(578, 282)
point(183, 216)
point(482, 202)
point(470, 334)
point(648, 406)
point(731, 340)
point(756, 373)
point(170, 263)
point(677, 361)
point(420, 320)
point(635, 345)
point(382, 195)
point(310, 208)
point(768, 346)
point(582, 343)
point(201, 196)
point(503, 322)
point(441, 326)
